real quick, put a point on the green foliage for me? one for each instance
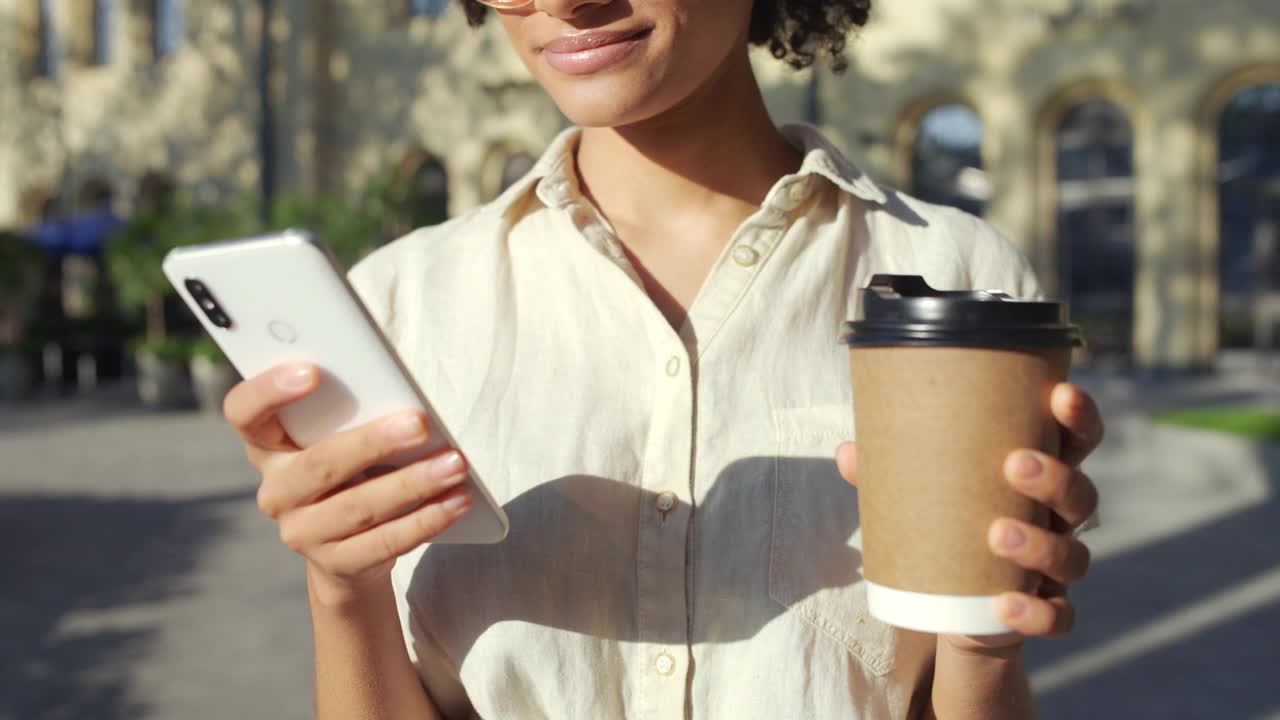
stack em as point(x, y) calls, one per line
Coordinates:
point(133, 256)
point(350, 231)
point(390, 197)
point(136, 251)
point(168, 348)
point(1236, 330)
point(19, 264)
point(1249, 422)
point(206, 348)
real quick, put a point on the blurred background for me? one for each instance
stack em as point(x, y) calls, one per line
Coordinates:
point(1131, 147)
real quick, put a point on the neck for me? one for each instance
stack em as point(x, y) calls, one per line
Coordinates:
point(718, 154)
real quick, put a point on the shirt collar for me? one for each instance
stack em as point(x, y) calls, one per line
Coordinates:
point(824, 159)
point(554, 179)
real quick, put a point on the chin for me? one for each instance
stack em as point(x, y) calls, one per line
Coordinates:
point(609, 101)
point(601, 109)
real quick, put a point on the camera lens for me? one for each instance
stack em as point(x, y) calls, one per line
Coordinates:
point(207, 303)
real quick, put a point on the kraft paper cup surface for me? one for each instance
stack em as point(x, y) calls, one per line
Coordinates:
point(934, 427)
point(946, 386)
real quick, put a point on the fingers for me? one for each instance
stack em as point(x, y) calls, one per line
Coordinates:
point(251, 406)
point(392, 539)
point(1064, 489)
point(338, 458)
point(372, 503)
point(1082, 427)
point(1061, 558)
point(847, 462)
point(1036, 617)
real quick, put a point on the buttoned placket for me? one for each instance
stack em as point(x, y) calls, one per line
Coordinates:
point(667, 480)
point(747, 253)
point(661, 651)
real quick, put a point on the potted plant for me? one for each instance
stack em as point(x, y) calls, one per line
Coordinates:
point(349, 230)
point(19, 272)
point(212, 376)
point(163, 381)
point(134, 257)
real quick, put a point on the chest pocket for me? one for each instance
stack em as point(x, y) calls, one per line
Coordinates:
point(815, 563)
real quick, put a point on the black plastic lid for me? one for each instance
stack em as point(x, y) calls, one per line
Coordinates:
point(904, 310)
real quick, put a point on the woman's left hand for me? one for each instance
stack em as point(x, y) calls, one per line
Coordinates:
point(1055, 553)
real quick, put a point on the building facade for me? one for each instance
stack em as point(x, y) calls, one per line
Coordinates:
point(1127, 145)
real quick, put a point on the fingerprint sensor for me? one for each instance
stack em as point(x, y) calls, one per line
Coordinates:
point(282, 331)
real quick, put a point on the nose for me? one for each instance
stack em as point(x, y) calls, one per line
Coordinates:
point(567, 9)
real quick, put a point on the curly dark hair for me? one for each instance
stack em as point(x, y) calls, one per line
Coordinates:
point(798, 32)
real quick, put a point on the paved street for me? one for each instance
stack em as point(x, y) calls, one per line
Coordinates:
point(138, 581)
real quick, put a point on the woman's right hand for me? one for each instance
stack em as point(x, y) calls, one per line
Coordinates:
point(349, 533)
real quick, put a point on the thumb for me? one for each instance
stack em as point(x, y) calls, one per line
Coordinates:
point(847, 462)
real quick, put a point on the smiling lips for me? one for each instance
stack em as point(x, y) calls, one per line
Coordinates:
point(589, 53)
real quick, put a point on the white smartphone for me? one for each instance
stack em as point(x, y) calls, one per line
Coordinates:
point(283, 298)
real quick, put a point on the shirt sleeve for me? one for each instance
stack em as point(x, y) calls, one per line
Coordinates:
point(376, 280)
point(996, 263)
point(439, 674)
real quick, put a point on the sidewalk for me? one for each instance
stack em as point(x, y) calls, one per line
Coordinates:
point(1179, 616)
point(149, 586)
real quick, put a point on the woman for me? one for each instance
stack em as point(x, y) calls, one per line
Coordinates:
point(636, 346)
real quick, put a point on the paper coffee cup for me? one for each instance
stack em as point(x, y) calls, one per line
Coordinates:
point(946, 385)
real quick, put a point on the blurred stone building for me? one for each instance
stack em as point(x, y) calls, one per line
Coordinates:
point(1132, 147)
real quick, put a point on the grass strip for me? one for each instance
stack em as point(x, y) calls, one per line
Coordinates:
point(1255, 423)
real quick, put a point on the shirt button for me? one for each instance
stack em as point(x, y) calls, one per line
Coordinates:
point(666, 501)
point(664, 664)
point(798, 191)
point(673, 366)
point(745, 256)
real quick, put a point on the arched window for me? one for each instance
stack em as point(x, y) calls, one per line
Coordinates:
point(516, 166)
point(1249, 198)
point(94, 220)
point(426, 8)
point(168, 27)
point(155, 192)
point(946, 159)
point(1095, 225)
point(95, 193)
point(37, 204)
point(49, 60)
point(103, 26)
point(428, 196)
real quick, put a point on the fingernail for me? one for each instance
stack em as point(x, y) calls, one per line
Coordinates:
point(296, 379)
point(406, 428)
point(448, 464)
point(457, 503)
point(1026, 466)
point(1011, 606)
point(1009, 536)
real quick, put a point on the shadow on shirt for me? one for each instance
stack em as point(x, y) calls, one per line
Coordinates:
point(585, 554)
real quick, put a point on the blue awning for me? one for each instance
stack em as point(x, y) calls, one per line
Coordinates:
point(82, 235)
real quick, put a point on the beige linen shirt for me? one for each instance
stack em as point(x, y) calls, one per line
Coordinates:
point(681, 544)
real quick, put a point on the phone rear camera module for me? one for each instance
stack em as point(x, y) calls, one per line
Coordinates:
point(207, 303)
